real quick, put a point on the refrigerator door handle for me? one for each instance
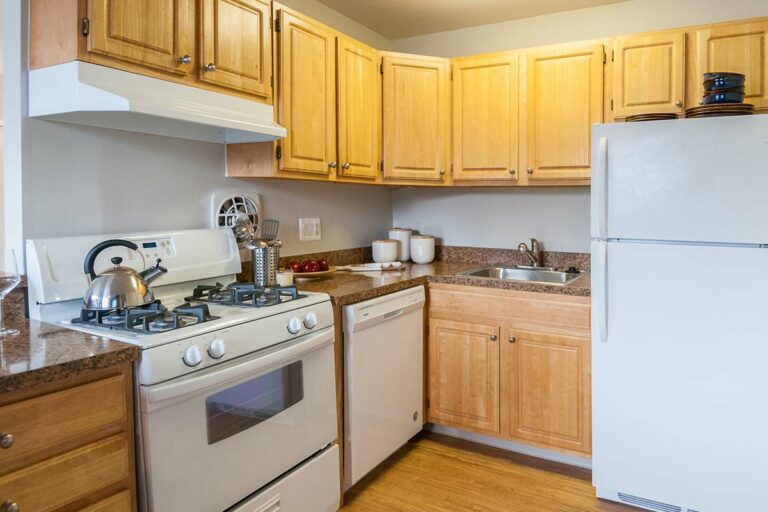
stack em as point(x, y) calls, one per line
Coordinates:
point(600, 191)
point(601, 278)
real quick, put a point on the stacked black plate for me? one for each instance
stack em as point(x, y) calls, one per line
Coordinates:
point(650, 117)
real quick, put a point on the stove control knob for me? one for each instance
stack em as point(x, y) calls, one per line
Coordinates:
point(294, 325)
point(217, 349)
point(310, 321)
point(193, 356)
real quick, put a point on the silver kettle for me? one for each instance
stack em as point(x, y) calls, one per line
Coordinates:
point(119, 287)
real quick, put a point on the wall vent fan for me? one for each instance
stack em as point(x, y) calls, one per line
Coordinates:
point(226, 207)
point(648, 504)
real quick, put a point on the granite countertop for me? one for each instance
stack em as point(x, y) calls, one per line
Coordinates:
point(45, 353)
point(350, 287)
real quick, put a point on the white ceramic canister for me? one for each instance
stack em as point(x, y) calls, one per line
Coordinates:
point(384, 251)
point(422, 248)
point(403, 236)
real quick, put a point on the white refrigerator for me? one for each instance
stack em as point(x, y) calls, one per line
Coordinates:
point(680, 314)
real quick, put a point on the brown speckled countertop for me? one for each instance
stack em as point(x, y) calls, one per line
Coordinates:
point(45, 353)
point(350, 287)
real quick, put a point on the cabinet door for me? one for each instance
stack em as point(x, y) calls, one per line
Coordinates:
point(649, 74)
point(564, 97)
point(740, 48)
point(545, 389)
point(359, 122)
point(464, 375)
point(236, 45)
point(307, 95)
point(416, 122)
point(485, 118)
point(153, 33)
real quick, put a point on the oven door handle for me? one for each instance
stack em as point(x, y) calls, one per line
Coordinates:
point(162, 395)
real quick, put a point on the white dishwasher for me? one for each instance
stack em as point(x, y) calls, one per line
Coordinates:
point(383, 378)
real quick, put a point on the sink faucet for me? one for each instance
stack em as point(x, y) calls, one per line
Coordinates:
point(534, 253)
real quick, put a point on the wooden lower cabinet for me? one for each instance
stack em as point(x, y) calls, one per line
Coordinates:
point(545, 384)
point(72, 444)
point(464, 375)
point(511, 364)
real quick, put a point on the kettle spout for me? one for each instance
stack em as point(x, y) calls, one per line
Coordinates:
point(152, 273)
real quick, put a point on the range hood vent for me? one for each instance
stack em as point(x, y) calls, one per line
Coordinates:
point(88, 94)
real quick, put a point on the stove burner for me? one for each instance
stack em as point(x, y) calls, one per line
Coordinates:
point(147, 319)
point(244, 294)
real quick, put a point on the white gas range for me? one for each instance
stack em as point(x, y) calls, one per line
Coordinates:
point(236, 404)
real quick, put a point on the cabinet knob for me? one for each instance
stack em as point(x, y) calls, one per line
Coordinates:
point(345, 166)
point(6, 440)
point(9, 506)
point(494, 337)
point(185, 59)
point(512, 172)
point(530, 171)
point(210, 67)
point(332, 165)
point(679, 104)
point(442, 172)
point(512, 339)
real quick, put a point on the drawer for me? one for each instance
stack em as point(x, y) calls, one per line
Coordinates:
point(120, 502)
point(74, 475)
point(51, 424)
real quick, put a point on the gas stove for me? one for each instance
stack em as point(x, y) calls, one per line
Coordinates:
point(146, 319)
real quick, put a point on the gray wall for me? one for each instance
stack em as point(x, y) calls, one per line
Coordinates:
point(498, 217)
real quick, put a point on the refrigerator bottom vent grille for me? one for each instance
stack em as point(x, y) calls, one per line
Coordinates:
point(649, 504)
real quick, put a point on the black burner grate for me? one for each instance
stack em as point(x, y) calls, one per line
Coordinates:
point(147, 319)
point(244, 294)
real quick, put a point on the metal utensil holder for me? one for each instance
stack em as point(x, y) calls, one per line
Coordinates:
point(266, 261)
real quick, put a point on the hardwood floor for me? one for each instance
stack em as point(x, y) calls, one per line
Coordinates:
point(435, 473)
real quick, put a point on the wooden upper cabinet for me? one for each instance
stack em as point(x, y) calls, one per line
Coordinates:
point(485, 118)
point(416, 117)
point(464, 375)
point(359, 109)
point(307, 95)
point(545, 382)
point(649, 74)
point(564, 97)
point(235, 48)
point(153, 33)
point(737, 48)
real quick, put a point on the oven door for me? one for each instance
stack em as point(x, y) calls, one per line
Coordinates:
point(211, 438)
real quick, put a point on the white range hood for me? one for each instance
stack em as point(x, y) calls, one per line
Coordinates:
point(88, 94)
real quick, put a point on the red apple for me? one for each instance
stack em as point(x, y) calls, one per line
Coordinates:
point(312, 266)
point(323, 265)
point(294, 265)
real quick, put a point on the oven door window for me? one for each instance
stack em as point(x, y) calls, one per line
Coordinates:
point(249, 403)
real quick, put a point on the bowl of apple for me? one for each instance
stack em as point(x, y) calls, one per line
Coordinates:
point(310, 269)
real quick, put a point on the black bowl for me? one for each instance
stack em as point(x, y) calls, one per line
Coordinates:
point(723, 97)
point(716, 81)
point(738, 90)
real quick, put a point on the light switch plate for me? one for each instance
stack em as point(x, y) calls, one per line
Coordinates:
point(309, 229)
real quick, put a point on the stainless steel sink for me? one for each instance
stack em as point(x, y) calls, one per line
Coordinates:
point(535, 275)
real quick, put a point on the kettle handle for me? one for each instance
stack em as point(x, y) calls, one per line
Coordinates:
point(90, 258)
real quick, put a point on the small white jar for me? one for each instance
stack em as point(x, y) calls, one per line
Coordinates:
point(284, 278)
point(422, 248)
point(384, 251)
point(403, 236)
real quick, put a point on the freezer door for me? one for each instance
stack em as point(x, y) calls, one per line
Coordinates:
point(679, 375)
point(702, 180)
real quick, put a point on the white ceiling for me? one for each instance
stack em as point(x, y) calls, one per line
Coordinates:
point(404, 18)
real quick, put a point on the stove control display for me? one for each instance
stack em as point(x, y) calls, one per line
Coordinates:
point(310, 320)
point(294, 325)
point(217, 349)
point(193, 356)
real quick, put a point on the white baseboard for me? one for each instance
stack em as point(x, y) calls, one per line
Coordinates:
point(533, 451)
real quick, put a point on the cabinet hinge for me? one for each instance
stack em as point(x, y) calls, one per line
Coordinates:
point(611, 104)
point(279, 152)
point(381, 166)
point(272, 81)
point(85, 26)
point(381, 68)
point(271, 23)
point(277, 25)
point(605, 57)
point(613, 56)
point(451, 168)
point(427, 403)
point(451, 75)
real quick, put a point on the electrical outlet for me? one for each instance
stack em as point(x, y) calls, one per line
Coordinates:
point(309, 229)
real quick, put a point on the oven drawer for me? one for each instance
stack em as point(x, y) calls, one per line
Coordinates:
point(50, 424)
point(234, 428)
point(312, 487)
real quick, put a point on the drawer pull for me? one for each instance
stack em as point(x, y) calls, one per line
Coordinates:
point(10, 506)
point(6, 440)
point(512, 339)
